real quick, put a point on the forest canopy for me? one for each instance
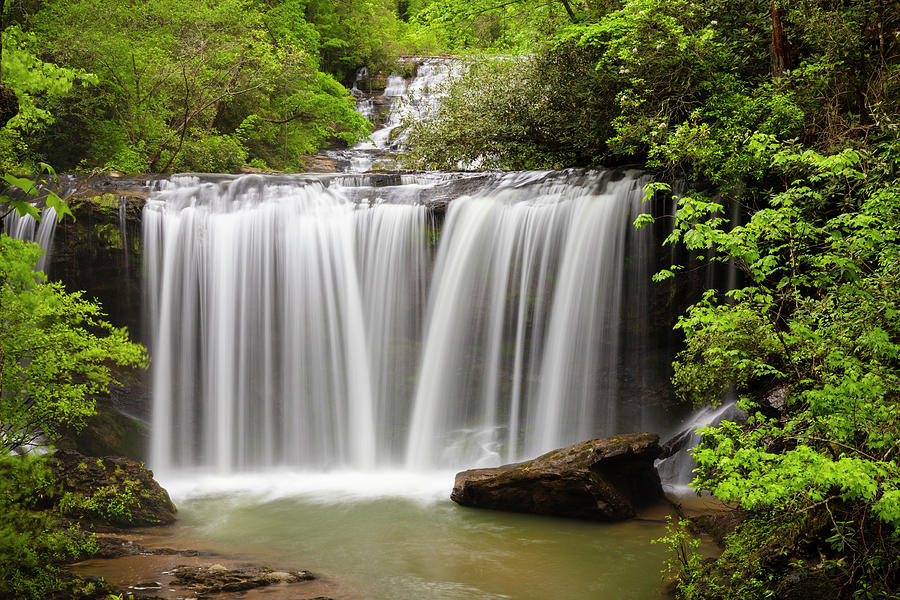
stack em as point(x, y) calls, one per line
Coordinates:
point(186, 86)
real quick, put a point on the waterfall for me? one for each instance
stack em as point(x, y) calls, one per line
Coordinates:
point(523, 333)
point(265, 321)
point(305, 321)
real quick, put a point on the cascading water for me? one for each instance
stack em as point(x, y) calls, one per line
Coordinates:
point(521, 350)
point(677, 471)
point(406, 101)
point(414, 101)
point(27, 228)
point(290, 330)
point(270, 299)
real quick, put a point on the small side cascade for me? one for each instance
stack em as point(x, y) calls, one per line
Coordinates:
point(28, 229)
point(123, 231)
point(676, 471)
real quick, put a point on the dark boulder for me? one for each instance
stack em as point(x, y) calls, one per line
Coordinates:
point(109, 432)
point(601, 480)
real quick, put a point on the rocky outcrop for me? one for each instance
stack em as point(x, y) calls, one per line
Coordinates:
point(110, 491)
point(602, 480)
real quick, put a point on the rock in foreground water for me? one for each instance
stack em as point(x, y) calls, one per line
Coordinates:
point(602, 480)
point(204, 581)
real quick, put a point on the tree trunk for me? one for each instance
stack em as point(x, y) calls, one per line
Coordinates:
point(569, 11)
point(781, 55)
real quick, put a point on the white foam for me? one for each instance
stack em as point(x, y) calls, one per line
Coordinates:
point(325, 487)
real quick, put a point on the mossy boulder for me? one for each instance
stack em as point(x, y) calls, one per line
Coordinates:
point(601, 480)
point(110, 491)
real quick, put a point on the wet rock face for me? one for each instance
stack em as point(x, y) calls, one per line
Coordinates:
point(601, 480)
point(9, 104)
point(111, 491)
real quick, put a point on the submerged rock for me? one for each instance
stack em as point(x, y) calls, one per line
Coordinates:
point(217, 578)
point(602, 480)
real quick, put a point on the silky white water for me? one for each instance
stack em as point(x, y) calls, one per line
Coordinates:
point(28, 229)
point(306, 323)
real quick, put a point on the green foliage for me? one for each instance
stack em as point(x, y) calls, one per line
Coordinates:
point(683, 85)
point(55, 350)
point(546, 111)
point(682, 547)
point(513, 26)
point(112, 503)
point(353, 34)
point(31, 545)
point(818, 319)
point(36, 84)
point(211, 154)
point(177, 80)
point(23, 194)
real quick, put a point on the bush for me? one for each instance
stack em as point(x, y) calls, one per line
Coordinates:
point(30, 545)
point(210, 154)
point(550, 110)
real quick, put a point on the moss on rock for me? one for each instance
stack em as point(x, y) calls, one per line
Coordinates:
point(110, 491)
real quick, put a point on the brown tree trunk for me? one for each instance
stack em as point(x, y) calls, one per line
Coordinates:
point(569, 11)
point(781, 55)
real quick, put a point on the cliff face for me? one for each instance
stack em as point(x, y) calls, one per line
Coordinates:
point(100, 251)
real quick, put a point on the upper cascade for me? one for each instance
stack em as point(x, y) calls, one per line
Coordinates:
point(402, 100)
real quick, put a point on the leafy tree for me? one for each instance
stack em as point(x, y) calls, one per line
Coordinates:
point(685, 84)
point(819, 322)
point(35, 84)
point(55, 350)
point(195, 84)
point(55, 355)
point(502, 25)
point(545, 111)
point(355, 33)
